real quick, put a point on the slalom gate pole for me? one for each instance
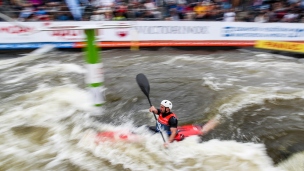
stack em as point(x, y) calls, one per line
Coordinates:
point(95, 74)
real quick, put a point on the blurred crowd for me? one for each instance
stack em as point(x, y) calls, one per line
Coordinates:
point(143, 10)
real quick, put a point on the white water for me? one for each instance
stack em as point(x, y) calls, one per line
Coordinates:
point(51, 128)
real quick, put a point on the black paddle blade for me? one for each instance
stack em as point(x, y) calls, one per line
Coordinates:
point(143, 83)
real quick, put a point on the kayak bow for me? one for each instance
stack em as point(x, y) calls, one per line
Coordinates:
point(183, 132)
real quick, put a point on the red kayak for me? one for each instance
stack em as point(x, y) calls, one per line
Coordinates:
point(183, 132)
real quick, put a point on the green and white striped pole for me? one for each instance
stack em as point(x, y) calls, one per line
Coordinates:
point(95, 74)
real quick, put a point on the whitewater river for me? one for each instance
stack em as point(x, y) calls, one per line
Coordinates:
point(47, 121)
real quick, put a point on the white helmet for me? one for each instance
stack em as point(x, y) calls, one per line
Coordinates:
point(166, 103)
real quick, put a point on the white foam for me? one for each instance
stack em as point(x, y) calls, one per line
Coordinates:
point(61, 111)
point(36, 54)
point(294, 163)
point(184, 57)
point(218, 84)
point(149, 154)
point(44, 69)
point(50, 128)
point(258, 95)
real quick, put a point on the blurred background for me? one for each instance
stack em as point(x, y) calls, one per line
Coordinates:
point(117, 10)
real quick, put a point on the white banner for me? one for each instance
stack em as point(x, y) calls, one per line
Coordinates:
point(261, 31)
point(155, 30)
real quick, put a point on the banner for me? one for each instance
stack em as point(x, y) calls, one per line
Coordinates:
point(262, 31)
point(127, 44)
point(154, 31)
point(284, 46)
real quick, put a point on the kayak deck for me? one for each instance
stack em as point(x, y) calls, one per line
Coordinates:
point(183, 132)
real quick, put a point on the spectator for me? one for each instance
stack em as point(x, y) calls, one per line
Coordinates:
point(257, 4)
point(88, 11)
point(53, 5)
point(98, 15)
point(215, 14)
point(119, 16)
point(291, 16)
point(18, 6)
point(210, 8)
point(63, 14)
point(169, 4)
point(200, 11)
point(136, 10)
point(249, 17)
point(6, 9)
point(26, 11)
point(148, 15)
point(226, 4)
point(150, 5)
point(36, 3)
point(301, 4)
point(302, 20)
point(74, 7)
point(229, 16)
point(189, 13)
point(181, 10)
point(104, 10)
point(1, 7)
point(108, 3)
point(122, 8)
point(41, 14)
point(108, 15)
point(173, 16)
point(292, 1)
point(261, 18)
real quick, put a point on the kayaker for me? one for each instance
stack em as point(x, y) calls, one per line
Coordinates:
point(167, 120)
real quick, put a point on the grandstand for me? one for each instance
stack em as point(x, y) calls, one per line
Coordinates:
point(290, 11)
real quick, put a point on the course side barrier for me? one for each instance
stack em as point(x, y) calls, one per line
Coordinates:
point(128, 44)
point(193, 31)
point(30, 35)
point(170, 43)
point(297, 47)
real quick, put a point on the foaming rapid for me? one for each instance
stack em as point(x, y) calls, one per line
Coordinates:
point(258, 96)
point(35, 126)
point(294, 163)
point(149, 154)
point(47, 120)
point(51, 129)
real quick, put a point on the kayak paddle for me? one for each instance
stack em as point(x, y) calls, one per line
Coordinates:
point(143, 83)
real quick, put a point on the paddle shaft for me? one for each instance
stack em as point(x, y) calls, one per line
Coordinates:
point(161, 133)
point(144, 85)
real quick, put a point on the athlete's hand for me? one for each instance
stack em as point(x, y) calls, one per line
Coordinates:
point(166, 145)
point(153, 109)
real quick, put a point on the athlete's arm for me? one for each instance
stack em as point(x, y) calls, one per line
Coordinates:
point(173, 134)
point(210, 125)
point(173, 128)
point(154, 110)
